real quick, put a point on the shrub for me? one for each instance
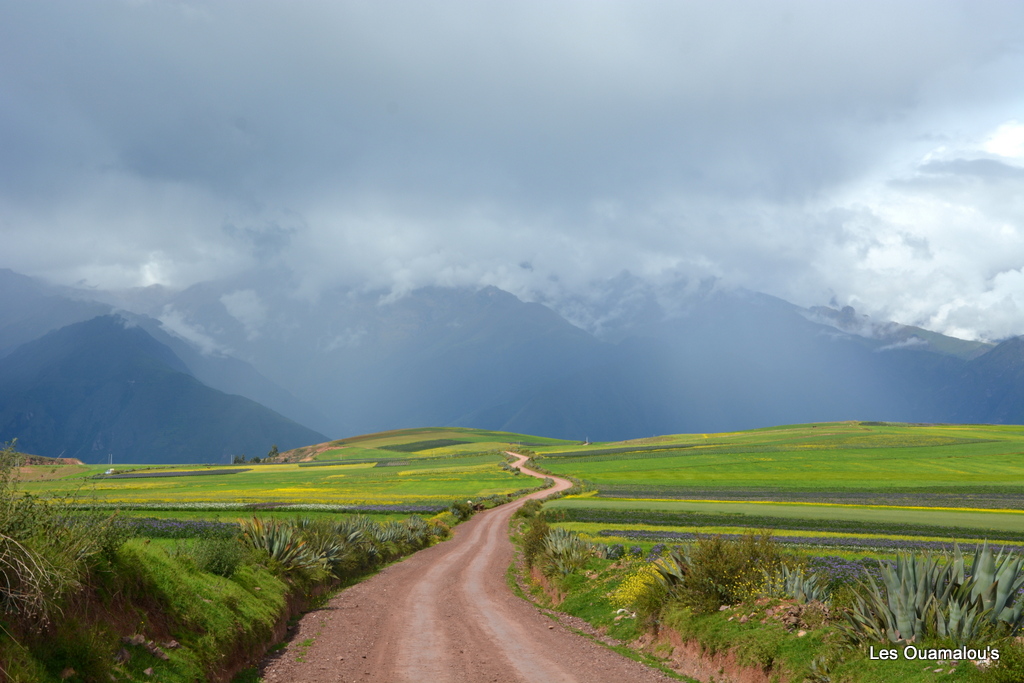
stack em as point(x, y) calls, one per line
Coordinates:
point(1009, 668)
point(533, 539)
point(641, 591)
point(462, 511)
point(529, 509)
point(716, 571)
point(445, 518)
point(220, 556)
point(45, 551)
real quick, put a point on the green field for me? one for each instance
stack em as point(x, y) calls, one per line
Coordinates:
point(850, 478)
point(954, 477)
point(862, 492)
point(974, 519)
point(428, 442)
point(845, 498)
point(836, 457)
point(437, 476)
point(857, 491)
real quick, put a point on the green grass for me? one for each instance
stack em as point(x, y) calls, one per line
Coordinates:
point(1006, 521)
point(821, 539)
point(748, 632)
point(967, 477)
point(827, 457)
point(150, 591)
point(430, 481)
point(425, 442)
point(235, 515)
point(627, 518)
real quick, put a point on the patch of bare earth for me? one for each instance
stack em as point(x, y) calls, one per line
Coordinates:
point(690, 659)
point(48, 472)
point(446, 614)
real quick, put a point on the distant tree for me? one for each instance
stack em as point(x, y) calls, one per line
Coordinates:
point(273, 452)
point(238, 459)
point(254, 459)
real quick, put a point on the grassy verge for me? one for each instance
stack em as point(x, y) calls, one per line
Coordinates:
point(82, 600)
point(176, 610)
point(151, 612)
point(756, 633)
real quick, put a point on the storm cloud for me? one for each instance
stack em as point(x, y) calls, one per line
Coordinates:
point(862, 153)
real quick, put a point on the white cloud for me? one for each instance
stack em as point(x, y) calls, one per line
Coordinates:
point(1007, 141)
point(245, 306)
point(174, 322)
point(775, 146)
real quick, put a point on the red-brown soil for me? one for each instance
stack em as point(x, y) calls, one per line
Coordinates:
point(446, 614)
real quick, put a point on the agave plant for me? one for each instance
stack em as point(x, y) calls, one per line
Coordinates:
point(418, 532)
point(672, 570)
point(796, 584)
point(925, 596)
point(281, 540)
point(997, 581)
point(564, 552)
point(609, 552)
point(335, 547)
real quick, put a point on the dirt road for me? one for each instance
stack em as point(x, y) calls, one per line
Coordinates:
point(446, 614)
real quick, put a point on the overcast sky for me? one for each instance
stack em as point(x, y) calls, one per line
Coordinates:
point(863, 153)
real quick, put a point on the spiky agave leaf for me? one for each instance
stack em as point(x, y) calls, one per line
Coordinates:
point(564, 552)
point(926, 596)
point(997, 581)
point(672, 569)
point(280, 540)
point(797, 584)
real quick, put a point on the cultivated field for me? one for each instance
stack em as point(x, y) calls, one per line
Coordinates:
point(407, 470)
point(837, 498)
point(905, 483)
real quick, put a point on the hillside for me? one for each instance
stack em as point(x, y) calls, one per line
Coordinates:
point(30, 308)
point(100, 387)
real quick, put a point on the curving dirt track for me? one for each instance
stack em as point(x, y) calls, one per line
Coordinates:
point(443, 614)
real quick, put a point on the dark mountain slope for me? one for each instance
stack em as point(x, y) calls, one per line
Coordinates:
point(373, 364)
point(99, 387)
point(991, 388)
point(700, 359)
point(734, 362)
point(30, 308)
point(233, 376)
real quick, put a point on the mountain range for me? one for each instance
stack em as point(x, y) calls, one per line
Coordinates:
point(103, 386)
point(348, 361)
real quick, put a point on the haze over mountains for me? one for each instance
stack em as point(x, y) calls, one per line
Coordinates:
point(177, 375)
point(100, 387)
